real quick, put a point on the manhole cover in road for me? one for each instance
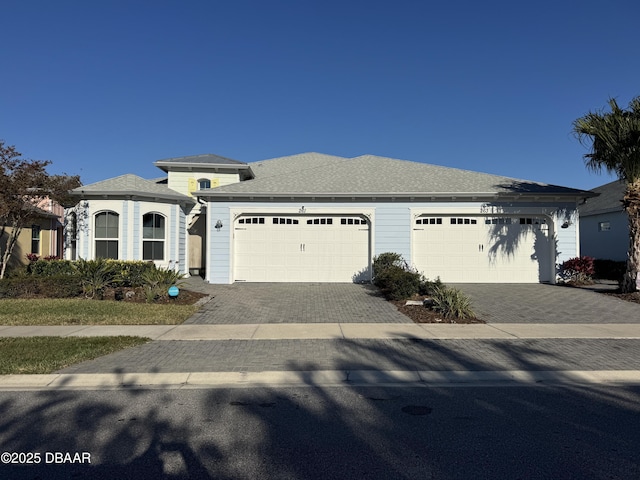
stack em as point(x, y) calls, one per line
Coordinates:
point(417, 410)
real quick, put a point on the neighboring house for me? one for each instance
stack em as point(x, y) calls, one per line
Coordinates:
point(604, 225)
point(53, 237)
point(320, 218)
point(44, 237)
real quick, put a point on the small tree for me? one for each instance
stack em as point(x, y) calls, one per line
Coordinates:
point(23, 184)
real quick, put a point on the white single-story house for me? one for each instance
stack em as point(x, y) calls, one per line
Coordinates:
point(321, 218)
point(604, 224)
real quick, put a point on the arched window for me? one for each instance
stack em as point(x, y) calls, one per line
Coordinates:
point(106, 235)
point(204, 183)
point(153, 236)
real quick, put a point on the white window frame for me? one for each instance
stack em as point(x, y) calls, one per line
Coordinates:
point(107, 239)
point(35, 239)
point(153, 239)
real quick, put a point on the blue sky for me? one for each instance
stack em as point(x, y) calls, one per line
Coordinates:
point(103, 88)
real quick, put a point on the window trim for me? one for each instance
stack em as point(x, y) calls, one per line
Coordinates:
point(604, 226)
point(36, 239)
point(153, 241)
point(107, 240)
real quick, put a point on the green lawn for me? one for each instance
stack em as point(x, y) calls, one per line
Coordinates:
point(48, 354)
point(72, 311)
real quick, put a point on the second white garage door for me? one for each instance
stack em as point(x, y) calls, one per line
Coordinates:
point(301, 248)
point(482, 249)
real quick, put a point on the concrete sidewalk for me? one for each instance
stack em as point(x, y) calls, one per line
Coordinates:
point(337, 331)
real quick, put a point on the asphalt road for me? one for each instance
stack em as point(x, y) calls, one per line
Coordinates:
point(536, 432)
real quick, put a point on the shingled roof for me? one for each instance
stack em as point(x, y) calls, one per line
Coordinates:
point(369, 175)
point(130, 185)
point(207, 160)
point(609, 199)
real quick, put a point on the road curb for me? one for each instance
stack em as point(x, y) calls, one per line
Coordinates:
point(327, 378)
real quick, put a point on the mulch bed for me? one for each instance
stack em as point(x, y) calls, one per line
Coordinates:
point(629, 297)
point(136, 295)
point(422, 314)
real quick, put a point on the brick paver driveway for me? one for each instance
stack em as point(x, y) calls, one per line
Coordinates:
point(243, 303)
point(540, 303)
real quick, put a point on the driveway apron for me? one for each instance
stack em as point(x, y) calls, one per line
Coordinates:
point(259, 303)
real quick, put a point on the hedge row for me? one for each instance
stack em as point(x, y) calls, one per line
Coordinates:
point(122, 273)
point(56, 286)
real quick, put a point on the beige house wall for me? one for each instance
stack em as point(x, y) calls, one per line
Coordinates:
point(46, 248)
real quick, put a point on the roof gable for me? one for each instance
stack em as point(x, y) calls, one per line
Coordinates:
point(130, 185)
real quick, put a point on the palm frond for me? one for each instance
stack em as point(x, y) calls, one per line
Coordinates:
point(613, 138)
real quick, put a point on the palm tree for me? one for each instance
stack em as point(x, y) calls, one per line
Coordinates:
point(614, 140)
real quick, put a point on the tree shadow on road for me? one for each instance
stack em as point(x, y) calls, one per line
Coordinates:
point(342, 431)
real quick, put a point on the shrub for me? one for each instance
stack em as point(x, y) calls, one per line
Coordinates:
point(451, 303)
point(427, 287)
point(60, 286)
point(397, 283)
point(385, 261)
point(32, 257)
point(95, 276)
point(14, 287)
point(158, 281)
point(397, 280)
point(578, 269)
point(51, 268)
point(130, 273)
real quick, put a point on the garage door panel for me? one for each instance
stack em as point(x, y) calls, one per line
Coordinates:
point(483, 249)
point(301, 249)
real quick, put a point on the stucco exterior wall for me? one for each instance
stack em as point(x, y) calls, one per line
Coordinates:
point(23, 244)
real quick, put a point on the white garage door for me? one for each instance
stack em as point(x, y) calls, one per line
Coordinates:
point(482, 249)
point(301, 248)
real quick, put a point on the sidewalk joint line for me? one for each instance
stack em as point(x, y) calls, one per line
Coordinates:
point(167, 332)
point(342, 331)
point(492, 325)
